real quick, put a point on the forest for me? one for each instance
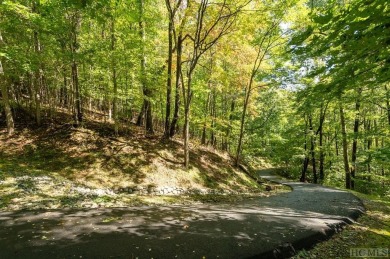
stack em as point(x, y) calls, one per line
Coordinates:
point(302, 83)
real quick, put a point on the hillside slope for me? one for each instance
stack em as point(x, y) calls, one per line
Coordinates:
point(59, 165)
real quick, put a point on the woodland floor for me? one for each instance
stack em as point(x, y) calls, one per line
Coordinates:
point(58, 165)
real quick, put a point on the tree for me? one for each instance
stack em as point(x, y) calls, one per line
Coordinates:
point(267, 39)
point(4, 93)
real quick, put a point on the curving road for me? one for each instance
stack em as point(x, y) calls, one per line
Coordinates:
point(262, 228)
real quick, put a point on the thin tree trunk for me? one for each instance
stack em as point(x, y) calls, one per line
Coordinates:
point(312, 147)
point(213, 138)
point(244, 109)
point(336, 137)
point(322, 155)
point(203, 140)
point(355, 141)
point(186, 137)
point(146, 92)
point(37, 82)
point(256, 66)
point(64, 91)
point(6, 104)
point(114, 77)
point(177, 85)
point(306, 159)
point(37, 73)
point(388, 103)
point(169, 81)
point(320, 132)
point(229, 128)
point(4, 93)
point(75, 77)
point(187, 121)
point(369, 144)
point(345, 148)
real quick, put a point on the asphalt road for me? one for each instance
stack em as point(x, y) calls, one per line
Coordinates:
point(262, 228)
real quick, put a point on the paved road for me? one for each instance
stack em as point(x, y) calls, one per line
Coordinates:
point(261, 228)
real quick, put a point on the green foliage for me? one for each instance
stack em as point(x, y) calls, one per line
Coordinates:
point(301, 59)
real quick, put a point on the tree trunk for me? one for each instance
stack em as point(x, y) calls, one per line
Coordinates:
point(213, 138)
point(6, 104)
point(187, 105)
point(140, 118)
point(75, 78)
point(345, 148)
point(146, 92)
point(4, 92)
point(149, 118)
point(229, 128)
point(37, 72)
point(169, 81)
point(336, 137)
point(312, 147)
point(322, 155)
point(64, 91)
point(37, 82)
point(387, 104)
point(114, 78)
point(306, 159)
point(186, 136)
point(367, 126)
point(321, 137)
point(355, 140)
point(244, 109)
point(203, 140)
point(177, 85)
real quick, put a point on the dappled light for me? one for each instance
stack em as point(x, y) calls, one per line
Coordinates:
point(245, 229)
point(194, 128)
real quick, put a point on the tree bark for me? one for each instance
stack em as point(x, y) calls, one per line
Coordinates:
point(322, 155)
point(242, 123)
point(187, 121)
point(387, 104)
point(203, 140)
point(6, 104)
point(312, 152)
point(140, 118)
point(64, 90)
point(169, 79)
point(37, 80)
point(226, 147)
point(320, 133)
point(146, 91)
point(367, 126)
point(37, 72)
point(179, 45)
point(114, 78)
point(213, 138)
point(355, 140)
point(306, 160)
point(336, 137)
point(4, 92)
point(78, 116)
point(345, 148)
